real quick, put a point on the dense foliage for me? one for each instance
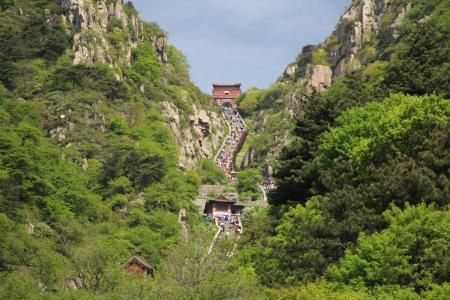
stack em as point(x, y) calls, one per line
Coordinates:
point(210, 173)
point(248, 184)
point(362, 196)
point(89, 163)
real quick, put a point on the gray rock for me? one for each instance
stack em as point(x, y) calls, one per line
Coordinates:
point(248, 159)
point(319, 80)
point(30, 227)
point(70, 285)
point(161, 48)
point(91, 43)
point(198, 140)
point(85, 164)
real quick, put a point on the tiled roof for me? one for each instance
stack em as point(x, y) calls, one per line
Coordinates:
point(226, 84)
point(140, 261)
point(222, 199)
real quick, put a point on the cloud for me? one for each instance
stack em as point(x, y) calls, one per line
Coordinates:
point(250, 41)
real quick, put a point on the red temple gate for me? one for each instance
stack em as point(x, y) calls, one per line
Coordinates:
point(226, 94)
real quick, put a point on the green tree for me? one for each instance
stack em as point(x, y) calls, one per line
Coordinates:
point(19, 285)
point(420, 63)
point(146, 62)
point(209, 173)
point(121, 185)
point(248, 182)
point(411, 252)
point(375, 131)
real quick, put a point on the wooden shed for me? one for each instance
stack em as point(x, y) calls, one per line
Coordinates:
point(138, 265)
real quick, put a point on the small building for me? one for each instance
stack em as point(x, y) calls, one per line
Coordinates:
point(226, 94)
point(139, 266)
point(223, 206)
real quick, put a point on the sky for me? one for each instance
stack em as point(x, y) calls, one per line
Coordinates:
point(246, 41)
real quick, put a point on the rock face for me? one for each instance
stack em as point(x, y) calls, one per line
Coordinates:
point(105, 33)
point(354, 42)
point(198, 140)
point(358, 26)
point(248, 159)
point(319, 80)
point(160, 45)
point(355, 31)
point(289, 72)
point(355, 27)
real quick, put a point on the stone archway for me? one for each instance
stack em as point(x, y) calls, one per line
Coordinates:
point(227, 104)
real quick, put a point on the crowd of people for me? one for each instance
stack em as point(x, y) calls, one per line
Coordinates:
point(234, 224)
point(238, 131)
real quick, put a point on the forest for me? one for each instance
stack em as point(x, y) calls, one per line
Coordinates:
point(361, 205)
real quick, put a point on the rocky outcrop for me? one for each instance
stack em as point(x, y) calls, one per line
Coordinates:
point(64, 127)
point(289, 72)
point(200, 139)
point(160, 45)
point(357, 28)
point(249, 158)
point(360, 25)
point(354, 27)
point(319, 79)
point(105, 33)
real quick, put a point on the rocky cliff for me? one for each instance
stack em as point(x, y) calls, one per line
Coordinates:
point(108, 32)
point(367, 31)
point(200, 139)
point(359, 27)
point(359, 34)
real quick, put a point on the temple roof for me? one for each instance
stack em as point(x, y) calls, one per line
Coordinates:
point(222, 199)
point(227, 85)
point(141, 262)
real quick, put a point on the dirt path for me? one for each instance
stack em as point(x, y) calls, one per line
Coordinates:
point(182, 221)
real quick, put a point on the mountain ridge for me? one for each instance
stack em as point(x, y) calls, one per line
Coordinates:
point(366, 35)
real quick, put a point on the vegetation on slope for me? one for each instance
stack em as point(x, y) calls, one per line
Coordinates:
point(363, 188)
point(90, 162)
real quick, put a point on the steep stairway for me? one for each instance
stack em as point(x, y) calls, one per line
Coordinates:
point(226, 158)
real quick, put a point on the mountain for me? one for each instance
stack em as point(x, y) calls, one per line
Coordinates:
point(113, 34)
point(108, 37)
point(104, 140)
point(367, 40)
